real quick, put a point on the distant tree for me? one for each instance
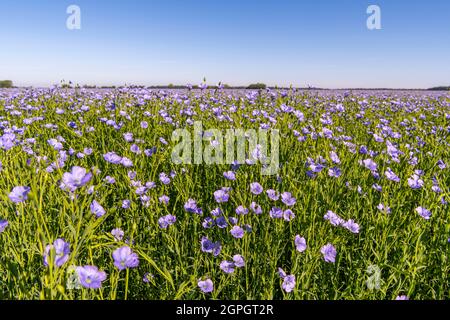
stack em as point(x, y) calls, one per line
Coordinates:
point(442, 88)
point(257, 86)
point(6, 84)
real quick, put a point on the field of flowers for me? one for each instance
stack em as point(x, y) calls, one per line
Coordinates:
point(93, 207)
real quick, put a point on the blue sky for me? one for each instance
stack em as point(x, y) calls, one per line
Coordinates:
point(317, 42)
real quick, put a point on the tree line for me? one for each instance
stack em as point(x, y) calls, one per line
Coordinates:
point(6, 84)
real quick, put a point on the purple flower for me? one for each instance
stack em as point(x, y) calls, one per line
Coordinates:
point(216, 212)
point(150, 152)
point(221, 196)
point(391, 175)
point(237, 232)
point(281, 273)
point(377, 138)
point(241, 210)
point(315, 167)
point(441, 164)
point(191, 206)
point(402, 297)
point(393, 151)
point(19, 194)
point(118, 234)
point(377, 187)
point(87, 151)
point(256, 188)
point(126, 162)
point(415, 182)
point(221, 222)
point(112, 157)
point(166, 221)
point(288, 215)
point(128, 137)
point(288, 199)
point(208, 222)
point(334, 157)
point(97, 209)
point(384, 208)
point(141, 190)
point(110, 180)
point(210, 247)
point(256, 208)
point(334, 172)
point(288, 283)
point(227, 266)
point(351, 225)
point(300, 243)
point(126, 204)
point(334, 219)
point(164, 178)
point(7, 141)
point(135, 149)
point(206, 285)
point(272, 194)
point(131, 174)
point(436, 189)
point(164, 199)
point(55, 144)
point(75, 179)
point(369, 164)
point(276, 213)
point(147, 277)
point(124, 258)
point(329, 253)
point(3, 225)
point(238, 261)
point(91, 277)
point(424, 213)
point(229, 175)
point(62, 251)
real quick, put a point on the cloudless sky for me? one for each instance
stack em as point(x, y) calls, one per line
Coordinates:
point(316, 42)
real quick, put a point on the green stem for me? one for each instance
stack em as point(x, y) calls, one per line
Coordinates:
point(126, 283)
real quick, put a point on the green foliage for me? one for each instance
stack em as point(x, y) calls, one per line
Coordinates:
point(257, 86)
point(6, 84)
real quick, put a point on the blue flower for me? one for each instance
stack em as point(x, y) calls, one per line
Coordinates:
point(124, 258)
point(97, 209)
point(206, 286)
point(300, 243)
point(61, 252)
point(237, 232)
point(19, 194)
